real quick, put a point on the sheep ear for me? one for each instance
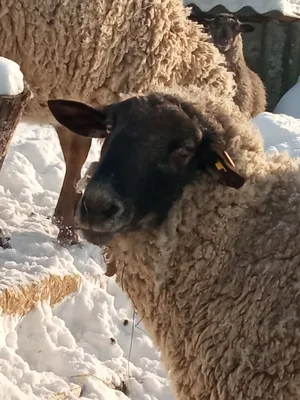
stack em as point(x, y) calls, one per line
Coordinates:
point(246, 28)
point(79, 117)
point(219, 164)
point(224, 168)
point(197, 15)
point(194, 11)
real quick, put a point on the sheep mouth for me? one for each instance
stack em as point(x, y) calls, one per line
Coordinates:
point(223, 48)
point(97, 238)
point(95, 234)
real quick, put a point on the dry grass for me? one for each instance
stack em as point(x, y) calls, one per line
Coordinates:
point(21, 299)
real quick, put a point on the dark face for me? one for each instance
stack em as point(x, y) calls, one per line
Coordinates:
point(224, 28)
point(224, 31)
point(153, 147)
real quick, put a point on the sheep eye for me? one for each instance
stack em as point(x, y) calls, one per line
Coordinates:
point(183, 152)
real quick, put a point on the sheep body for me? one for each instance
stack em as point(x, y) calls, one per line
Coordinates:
point(217, 285)
point(93, 50)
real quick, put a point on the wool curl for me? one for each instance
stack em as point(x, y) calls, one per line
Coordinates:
point(217, 284)
point(91, 51)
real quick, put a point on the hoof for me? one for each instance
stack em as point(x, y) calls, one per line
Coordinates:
point(56, 220)
point(67, 237)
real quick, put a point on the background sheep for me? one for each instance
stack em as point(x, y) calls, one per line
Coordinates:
point(226, 32)
point(213, 272)
point(92, 50)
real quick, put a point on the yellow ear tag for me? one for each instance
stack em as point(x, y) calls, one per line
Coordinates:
point(219, 166)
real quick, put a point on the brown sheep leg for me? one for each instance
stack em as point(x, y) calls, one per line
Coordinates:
point(75, 150)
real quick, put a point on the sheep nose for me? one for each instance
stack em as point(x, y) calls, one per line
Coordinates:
point(100, 205)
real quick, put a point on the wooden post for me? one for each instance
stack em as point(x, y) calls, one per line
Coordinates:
point(11, 109)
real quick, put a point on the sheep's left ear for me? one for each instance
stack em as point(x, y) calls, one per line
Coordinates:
point(80, 118)
point(215, 159)
point(246, 28)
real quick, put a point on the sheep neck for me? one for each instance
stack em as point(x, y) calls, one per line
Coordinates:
point(235, 57)
point(179, 277)
point(153, 277)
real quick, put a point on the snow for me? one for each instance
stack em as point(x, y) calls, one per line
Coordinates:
point(281, 133)
point(290, 102)
point(72, 343)
point(87, 338)
point(289, 8)
point(44, 352)
point(11, 78)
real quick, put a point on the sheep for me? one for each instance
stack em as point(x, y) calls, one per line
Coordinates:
point(92, 51)
point(203, 230)
point(225, 30)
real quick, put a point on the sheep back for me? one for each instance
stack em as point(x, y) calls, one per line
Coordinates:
point(93, 50)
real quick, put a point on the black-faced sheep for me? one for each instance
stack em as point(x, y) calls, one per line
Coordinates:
point(226, 32)
point(92, 50)
point(203, 229)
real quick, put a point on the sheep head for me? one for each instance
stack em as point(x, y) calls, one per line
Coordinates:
point(153, 147)
point(225, 29)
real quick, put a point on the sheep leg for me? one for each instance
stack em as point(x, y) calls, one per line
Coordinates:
point(75, 150)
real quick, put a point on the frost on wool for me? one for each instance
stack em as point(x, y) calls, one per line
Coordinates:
point(11, 78)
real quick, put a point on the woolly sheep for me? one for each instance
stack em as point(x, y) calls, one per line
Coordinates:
point(93, 50)
point(203, 229)
point(226, 30)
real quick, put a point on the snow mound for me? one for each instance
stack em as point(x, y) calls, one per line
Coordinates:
point(11, 78)
point(280, 132)
point(289, 104)
point(82, 341)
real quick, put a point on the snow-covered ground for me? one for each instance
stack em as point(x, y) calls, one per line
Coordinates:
point(87, 338)
point(84, 339)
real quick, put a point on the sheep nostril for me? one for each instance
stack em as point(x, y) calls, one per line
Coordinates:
point(99, 207)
